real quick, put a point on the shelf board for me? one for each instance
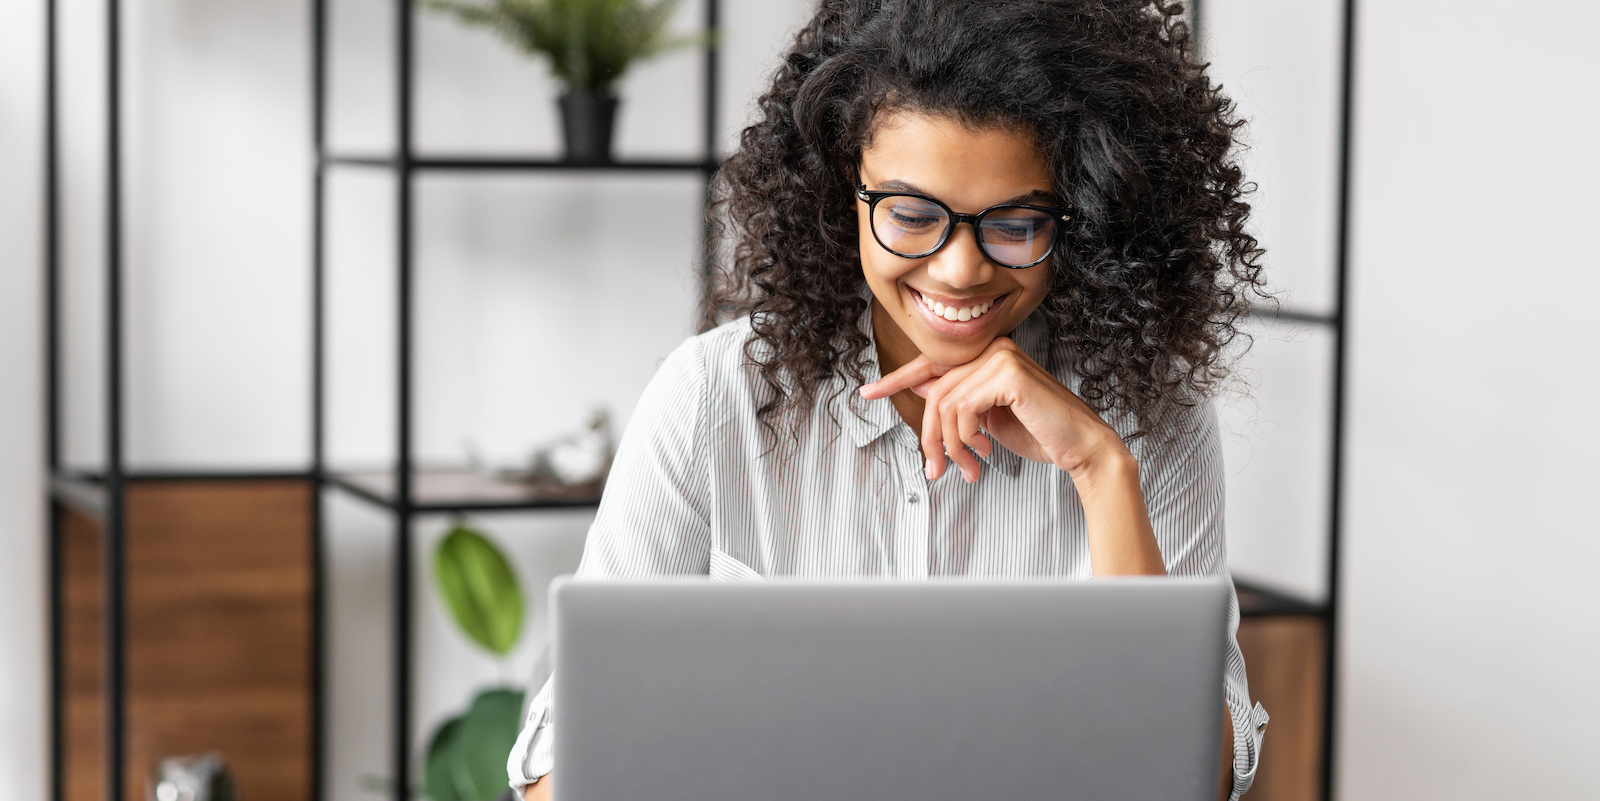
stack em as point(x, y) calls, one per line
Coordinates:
point(1292, 316)
point(474, 491)
point(86, 491)
point(465, 491)
point(1258, 601)
point(83, 494)
point(515, 163)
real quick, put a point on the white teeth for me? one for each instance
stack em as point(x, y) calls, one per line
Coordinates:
point(954, 314)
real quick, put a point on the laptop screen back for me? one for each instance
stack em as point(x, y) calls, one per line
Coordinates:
point(688, 690)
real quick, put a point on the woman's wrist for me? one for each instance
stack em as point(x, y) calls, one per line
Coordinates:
point(1099, 458)
point(1121, 540)
point(1106, 467)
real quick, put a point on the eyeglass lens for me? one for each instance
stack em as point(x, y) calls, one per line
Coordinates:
point(914, 227)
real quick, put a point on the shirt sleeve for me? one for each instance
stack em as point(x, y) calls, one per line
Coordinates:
point(1182, 481)
point(653, 518)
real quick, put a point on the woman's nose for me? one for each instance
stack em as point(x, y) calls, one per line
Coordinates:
point(960, 264)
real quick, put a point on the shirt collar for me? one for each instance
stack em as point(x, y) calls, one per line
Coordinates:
point(863, 421)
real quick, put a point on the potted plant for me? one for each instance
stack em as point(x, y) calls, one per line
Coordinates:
point(589, 43)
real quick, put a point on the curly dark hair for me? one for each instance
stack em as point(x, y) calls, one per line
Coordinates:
point(1150, 279)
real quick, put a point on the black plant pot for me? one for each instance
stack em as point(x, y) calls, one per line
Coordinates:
point(587, 119)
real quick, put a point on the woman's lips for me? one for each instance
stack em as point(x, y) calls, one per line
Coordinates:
point(947, 318)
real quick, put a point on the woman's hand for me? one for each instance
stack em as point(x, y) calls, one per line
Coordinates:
point(1007, 394)
point(538, 791)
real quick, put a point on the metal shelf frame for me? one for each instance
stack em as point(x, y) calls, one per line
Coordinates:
point(1336, 322)
point(103, 500)
point(514, 164)
point(100, 495)
point(399, 494)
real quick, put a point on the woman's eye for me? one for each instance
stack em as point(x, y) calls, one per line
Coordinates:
point(912, 220)
point(1010, 233)
point(1014, 230)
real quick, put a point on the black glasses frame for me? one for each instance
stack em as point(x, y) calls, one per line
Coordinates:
point(952, 218)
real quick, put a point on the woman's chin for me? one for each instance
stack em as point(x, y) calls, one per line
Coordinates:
point(953, 354)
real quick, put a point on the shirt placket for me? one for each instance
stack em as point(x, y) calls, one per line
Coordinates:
point(916, 512)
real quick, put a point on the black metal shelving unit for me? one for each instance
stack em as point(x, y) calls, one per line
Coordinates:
point(405, 491)
point(100, 494)
point(1261, 602)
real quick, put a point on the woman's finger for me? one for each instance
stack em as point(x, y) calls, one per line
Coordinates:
point(939, 437)
point(921, 390)
point(932, 437)
point(951, 409)
point(963, 411)
point(988, 395)
point(916, 372)
point(969, 426)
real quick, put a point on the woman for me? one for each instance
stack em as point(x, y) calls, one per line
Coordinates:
point(986, 257)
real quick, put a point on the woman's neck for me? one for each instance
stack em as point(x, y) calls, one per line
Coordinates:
point(895, 350)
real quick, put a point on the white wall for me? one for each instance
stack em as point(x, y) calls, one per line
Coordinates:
point(1470, 636)
point(24, 755)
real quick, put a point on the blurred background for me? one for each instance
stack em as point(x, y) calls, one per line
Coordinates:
point(1460, 585)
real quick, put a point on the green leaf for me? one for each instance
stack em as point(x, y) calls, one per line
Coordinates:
point(590, 43)
point(466, 759)
point(438, 766)
point(479, 589)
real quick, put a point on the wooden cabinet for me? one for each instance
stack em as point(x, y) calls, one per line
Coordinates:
point(219, 639)
point(1285, 652)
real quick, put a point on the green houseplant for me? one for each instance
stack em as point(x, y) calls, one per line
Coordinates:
point(589, 43)
point(466, 757)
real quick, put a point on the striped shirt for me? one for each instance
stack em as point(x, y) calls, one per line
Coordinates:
point(696, 488)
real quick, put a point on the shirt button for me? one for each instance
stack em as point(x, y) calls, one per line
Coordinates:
point(913, 497)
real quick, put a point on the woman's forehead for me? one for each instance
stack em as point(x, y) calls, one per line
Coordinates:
point(961, 164)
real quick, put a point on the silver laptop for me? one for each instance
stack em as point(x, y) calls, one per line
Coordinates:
point(689, 690)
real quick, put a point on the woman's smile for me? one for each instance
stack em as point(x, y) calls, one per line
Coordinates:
point(955, 316)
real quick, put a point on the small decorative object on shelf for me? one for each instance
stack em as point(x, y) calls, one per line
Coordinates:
point(590, 44)
point(192, 778)
point(466, 758)
point(580, 459)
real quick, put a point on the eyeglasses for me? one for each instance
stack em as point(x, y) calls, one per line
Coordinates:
point(1010, 235)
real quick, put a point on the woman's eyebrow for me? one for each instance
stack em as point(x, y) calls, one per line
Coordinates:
point(903, 186)
point(1037, 196)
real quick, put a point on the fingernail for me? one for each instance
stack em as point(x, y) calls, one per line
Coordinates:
point(927, 470)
